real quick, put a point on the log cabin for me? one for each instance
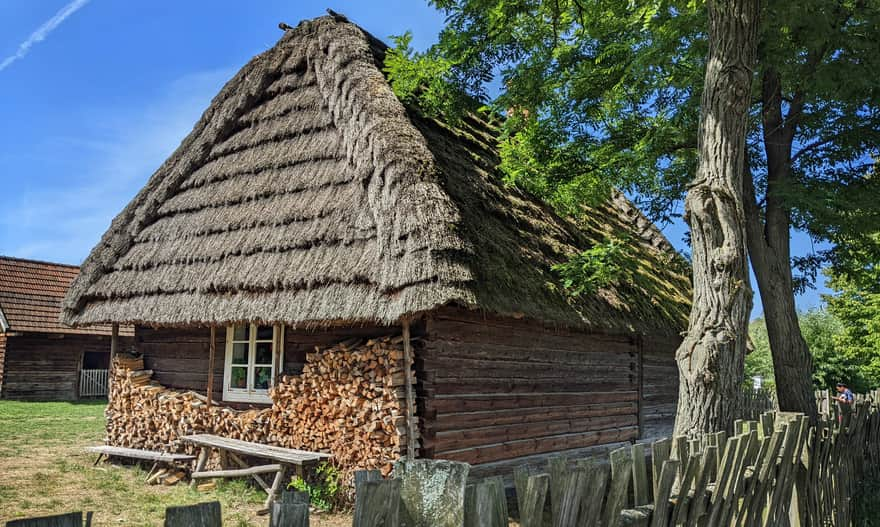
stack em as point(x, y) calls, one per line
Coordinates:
point(332, 269)
point(40, 359)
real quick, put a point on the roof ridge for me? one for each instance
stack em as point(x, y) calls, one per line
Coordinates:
point(31, 260)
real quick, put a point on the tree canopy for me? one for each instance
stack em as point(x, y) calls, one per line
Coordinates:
point(607, 93)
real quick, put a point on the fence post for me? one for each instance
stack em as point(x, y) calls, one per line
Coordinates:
point(432, 492)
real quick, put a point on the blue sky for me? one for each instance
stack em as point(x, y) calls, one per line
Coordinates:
point(95, 94)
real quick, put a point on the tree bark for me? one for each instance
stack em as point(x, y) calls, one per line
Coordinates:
point(711, 357)
point(770, 252)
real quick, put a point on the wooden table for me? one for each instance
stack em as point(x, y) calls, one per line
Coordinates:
point(283, 459)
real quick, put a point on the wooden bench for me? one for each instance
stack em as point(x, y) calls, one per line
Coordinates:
point(146, 455)
point(283, 458)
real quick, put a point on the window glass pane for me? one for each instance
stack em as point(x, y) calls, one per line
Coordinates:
point(238, 378)
point(262, 378)
point(240, 353)
point(242, 332)
point(264, 333)
point(264, 353)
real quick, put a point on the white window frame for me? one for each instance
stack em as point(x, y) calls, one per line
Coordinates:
point(249, 394)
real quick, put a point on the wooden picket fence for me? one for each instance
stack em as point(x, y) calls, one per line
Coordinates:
point(753, 403)
point(774, 471)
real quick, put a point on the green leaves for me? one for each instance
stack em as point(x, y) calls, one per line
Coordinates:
point(323, 486)
point(600, 266)
point(855, 278)
point(423, 80)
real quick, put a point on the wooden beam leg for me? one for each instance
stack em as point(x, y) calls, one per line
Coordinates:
point(200, 464)
point(98, 460)
point(276, 484)
point(242, 464)
point(150, 473)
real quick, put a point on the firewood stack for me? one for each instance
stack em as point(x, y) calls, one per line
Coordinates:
point(349, 401)
point(144, 414)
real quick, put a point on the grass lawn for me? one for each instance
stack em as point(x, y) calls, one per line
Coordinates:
point(43, 470)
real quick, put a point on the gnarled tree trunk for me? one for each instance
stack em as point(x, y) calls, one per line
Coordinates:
point(711, 358)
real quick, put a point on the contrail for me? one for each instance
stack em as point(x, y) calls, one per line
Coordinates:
point(43, 31)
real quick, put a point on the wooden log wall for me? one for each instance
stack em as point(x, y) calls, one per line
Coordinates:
point(659, 386)
point(2, 359)
point(494, 390)
point(46, 366)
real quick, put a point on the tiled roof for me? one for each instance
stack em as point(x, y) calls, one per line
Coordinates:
point(31, 294)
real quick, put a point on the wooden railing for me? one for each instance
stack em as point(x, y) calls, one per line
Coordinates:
point(93, 383)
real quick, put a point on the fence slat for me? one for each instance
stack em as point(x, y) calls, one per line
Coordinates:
point(485, 504)
point(640, 476)
point(531, 495)
point(621, 474)
point(597, 482)
point(660, 451)
point(660, 517)
point(378, 503)
point(201, 515)
point(73, 519)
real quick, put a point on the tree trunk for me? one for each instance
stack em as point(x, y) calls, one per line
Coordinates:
point(710, 359)
point(792, 362)
point(769, 242)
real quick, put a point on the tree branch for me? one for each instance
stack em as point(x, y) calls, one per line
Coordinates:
point(812, 146)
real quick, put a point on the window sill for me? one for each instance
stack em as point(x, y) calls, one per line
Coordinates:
point(247, 398)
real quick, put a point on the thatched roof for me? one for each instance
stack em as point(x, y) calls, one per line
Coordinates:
point(308, 194)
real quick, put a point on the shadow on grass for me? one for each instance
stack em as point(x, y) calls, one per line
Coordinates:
point(866, 503)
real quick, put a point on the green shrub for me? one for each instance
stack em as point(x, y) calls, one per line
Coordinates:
point(323, 486)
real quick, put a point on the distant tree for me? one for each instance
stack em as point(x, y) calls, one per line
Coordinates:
point(855, 279)
point(759, 361)
point(832, 363)
point(834, 357)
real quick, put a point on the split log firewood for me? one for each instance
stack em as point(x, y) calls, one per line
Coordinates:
point(348, 401)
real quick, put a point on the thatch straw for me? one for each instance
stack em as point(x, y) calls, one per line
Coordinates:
point(307, 194)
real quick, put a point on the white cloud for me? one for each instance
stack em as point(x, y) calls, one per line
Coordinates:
point(43, 31)
point(104, 164)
